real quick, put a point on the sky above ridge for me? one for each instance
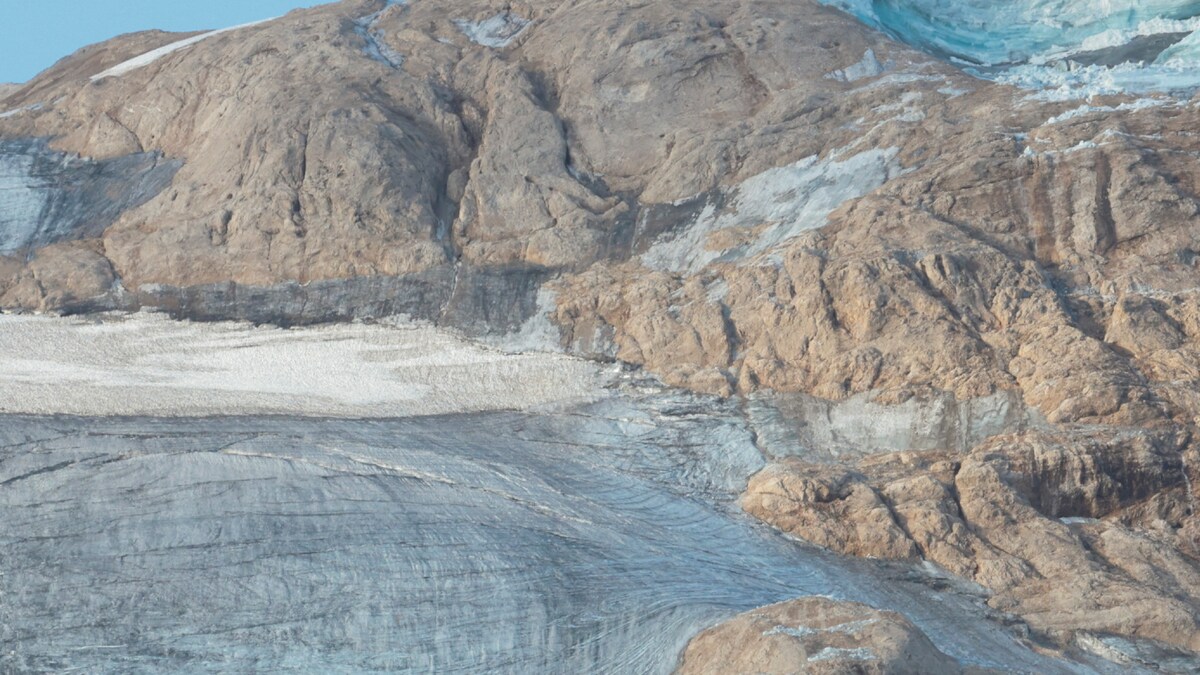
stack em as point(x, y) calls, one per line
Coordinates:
point(36, 33)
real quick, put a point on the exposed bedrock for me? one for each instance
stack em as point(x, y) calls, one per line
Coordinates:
point(955, 313)
point(308, 157)
point(816, 635)
point(476, 300)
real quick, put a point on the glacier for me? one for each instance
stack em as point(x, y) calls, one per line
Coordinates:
point(428, 505)
point(1081, 48)
point(598, 539)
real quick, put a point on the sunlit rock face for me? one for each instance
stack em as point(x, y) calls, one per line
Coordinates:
point(1123, 44)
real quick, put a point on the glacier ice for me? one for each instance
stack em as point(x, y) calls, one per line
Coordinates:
point(575, 542)
point(1078, 47)
point(576, 521)
point(48, 196)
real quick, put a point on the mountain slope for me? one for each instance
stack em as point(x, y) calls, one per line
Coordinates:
point(964, 314)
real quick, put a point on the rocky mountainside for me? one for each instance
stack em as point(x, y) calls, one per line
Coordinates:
point(964, 315)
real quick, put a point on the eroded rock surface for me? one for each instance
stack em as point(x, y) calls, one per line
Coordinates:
point(1025, 516)
point(965, 317)
point(816, 635)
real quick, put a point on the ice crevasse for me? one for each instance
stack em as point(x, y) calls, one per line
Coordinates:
point(1078, 47)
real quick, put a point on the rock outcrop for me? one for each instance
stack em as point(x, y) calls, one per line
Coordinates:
point(1035, 518)
point(743, 197)
point(380, 140)
point(816, 635)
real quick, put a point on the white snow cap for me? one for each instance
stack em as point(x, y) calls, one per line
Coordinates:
point(154, 55)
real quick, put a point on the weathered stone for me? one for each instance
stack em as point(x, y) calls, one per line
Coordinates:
point(815, 635)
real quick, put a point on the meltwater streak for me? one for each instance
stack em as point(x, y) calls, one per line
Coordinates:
point(598, 540)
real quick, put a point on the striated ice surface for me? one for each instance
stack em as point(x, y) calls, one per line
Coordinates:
point(23, 196)
point(594, 540)
point(1076, 48)
point(589, 528)
point(48, 196)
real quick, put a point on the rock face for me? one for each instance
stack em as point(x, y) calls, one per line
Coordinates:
point(1021, 516)
point(815, 635)
point(369, 139)
point(961, 313)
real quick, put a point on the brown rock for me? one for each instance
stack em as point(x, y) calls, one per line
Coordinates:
point(815, 635)
point(829, 507)
point(996, 522)
point(727, 207)
point(60, 275)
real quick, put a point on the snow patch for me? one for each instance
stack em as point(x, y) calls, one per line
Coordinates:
point(834, 653)
point(954, 92)
point(154, 55)
point(900, 78)
point(497, 32)
point(146, 364)
point(376, 47)
point(19, 111)
point(868, 66)
point(848, 628)
point(1140, 104)
point(797, 632)
point(774, 206)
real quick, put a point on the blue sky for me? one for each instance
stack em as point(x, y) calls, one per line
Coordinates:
point(36, 33)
